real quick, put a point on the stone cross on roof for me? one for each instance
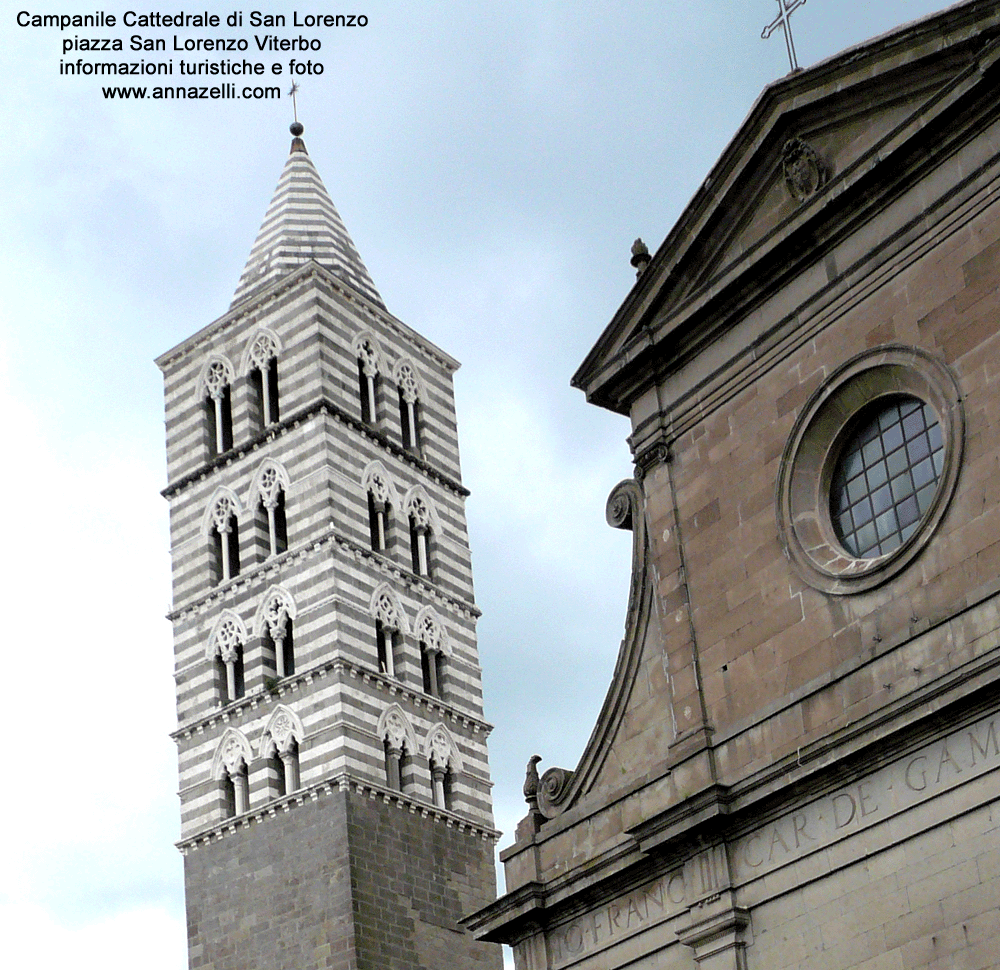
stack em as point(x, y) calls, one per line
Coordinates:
point(784, 20)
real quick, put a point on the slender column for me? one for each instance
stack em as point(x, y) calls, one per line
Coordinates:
point(437, 773)
point(422, 552)
point(370, 381)
point(231, 679)
point(265, 393)
point(411, 415)
point(390, 660)
point(279, 654)
point(272, 530)
point(380, 527)
point(224, 539)
point(241, 788)
point(219, 438)
point(432, 670)
point(392, 767)
point(290, 763)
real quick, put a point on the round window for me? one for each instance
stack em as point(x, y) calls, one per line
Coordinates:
point(870, 468)
point(886, 477)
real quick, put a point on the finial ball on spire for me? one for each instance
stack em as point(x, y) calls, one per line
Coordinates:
point(296, 128)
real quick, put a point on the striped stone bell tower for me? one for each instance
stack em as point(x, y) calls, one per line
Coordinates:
point(334, 782)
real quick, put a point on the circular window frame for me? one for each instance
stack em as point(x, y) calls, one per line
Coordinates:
point(814, 447)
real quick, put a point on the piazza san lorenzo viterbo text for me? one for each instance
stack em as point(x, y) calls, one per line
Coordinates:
point(90, 39)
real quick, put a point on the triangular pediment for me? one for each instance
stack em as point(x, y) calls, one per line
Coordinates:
point(817, 150)
point(302, 224)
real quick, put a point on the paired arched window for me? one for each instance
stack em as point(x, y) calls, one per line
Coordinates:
point(400, 744)
point(279, 749)
point(262, 374)
point(278, 753)
point(224, 537)
point(217, 384)
point(228, 640)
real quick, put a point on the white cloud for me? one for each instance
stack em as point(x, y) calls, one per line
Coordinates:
point(147, 937)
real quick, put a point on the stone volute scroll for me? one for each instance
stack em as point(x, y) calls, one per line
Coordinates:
point(559, 788)
point(553, 790)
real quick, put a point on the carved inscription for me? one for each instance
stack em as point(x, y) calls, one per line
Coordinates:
point(916, 778)
point(626, 916)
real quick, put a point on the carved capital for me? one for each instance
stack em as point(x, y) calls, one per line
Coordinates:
point(645, 461)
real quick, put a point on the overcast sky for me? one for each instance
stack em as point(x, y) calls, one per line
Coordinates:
point(493, 163)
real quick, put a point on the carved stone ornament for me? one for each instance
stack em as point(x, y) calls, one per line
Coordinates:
point(216, 378)
point(530, 788)
point(386, 611)
point(419, 512)
point(618, 511)
point(233, 756)
point(228, 640)
point(282, 732)
point(378, 487)
point(805, 173)
point(270, 486)
point(221, 514)
point(429, 633)
point(440, 749)
point(276, 615)
point(368, 356)
point(552, 791)
point(407, 382)
point(395, 729)
point(262, 350)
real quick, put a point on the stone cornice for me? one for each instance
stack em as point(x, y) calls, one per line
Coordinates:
point(428, 591)
point(324, 406)
point(238, 710)
point(258, 308)
point(339, 783)
point(657, 313)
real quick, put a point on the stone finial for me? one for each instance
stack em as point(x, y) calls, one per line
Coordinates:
point(640, 257)
point(531, 782)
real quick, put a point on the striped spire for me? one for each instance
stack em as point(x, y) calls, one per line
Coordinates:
point(302, 224)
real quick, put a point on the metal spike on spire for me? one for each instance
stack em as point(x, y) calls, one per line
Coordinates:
point(302, 224)
point(295, 128)
point(784, 20)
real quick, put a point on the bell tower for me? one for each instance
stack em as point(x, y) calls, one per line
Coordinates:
point(334, 781)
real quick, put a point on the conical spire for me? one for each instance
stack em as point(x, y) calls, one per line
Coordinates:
point(302, 224)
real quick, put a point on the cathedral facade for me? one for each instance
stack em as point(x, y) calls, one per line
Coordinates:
point(798, 761)
point(334, 782)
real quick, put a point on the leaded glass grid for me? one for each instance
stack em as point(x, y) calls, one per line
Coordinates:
point(886, 477)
